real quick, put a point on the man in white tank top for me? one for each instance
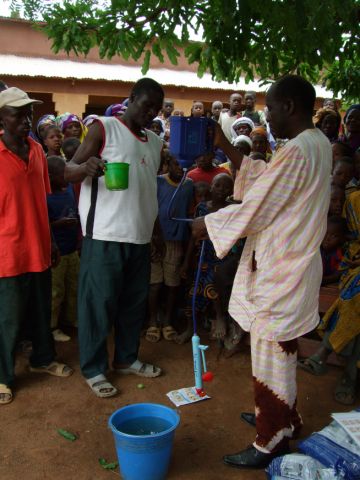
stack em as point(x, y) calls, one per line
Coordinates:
point(117, 228)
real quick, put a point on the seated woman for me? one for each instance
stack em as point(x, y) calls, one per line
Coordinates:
point(340, 326)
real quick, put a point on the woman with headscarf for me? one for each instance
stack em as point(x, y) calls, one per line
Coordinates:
point(329, 121)
point(260, 142)
point(71, 126)
point(352, 127)
point(242, 126)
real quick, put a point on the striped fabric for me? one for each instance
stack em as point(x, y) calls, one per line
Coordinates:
point(283, 215)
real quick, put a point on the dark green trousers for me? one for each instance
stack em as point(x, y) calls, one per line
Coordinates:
point(113, 288)
point(25, 302)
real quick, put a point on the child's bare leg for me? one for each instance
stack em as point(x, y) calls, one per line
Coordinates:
point(219, 328)
point(168, 331)
point(187, 334)
point(153, 333)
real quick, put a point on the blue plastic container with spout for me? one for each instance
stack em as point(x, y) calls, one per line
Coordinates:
point(190, 138)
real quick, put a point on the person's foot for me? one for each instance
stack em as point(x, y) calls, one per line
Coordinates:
point(60, 336)
point(183, 337)
point(252, 458)
point(249, 418)
point(218, 330)
point(101, 386)
point(345, 391)
point(6, 395)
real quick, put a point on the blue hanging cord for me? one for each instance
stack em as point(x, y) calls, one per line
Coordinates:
point(196, 286)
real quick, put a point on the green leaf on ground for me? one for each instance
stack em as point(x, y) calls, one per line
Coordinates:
point(108, 466)
point(68, 435)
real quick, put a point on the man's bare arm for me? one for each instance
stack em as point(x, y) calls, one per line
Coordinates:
point(86, 162)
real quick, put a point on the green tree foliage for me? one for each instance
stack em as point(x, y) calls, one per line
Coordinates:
point(318, 39)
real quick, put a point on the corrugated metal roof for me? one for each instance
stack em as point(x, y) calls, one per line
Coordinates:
point(48, 68)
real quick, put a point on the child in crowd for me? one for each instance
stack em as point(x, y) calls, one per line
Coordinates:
point(242, 143)
point(343, 172)
point(339, 150)
point(257, 116)
point(337, 200)
point(221, 189)
point(69, 147)
point(227, 118)
point(202, 192)
point(242, 126)
point(43, 123)
point(63, 219)
point(197, 110)
point(165, 269)
point(158, 127)
point(166, 112)
point(52, 138)
point(260, 142)
point(178, 113)
point(216, 109)
point(332, 249)
point(205, 170)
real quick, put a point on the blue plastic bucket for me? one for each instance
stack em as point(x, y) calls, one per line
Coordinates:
point(143, 434)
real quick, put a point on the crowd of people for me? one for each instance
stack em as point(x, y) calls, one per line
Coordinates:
point(74, 253)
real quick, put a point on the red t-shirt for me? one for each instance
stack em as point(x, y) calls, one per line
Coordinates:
point(200, 175)
point(25, 243)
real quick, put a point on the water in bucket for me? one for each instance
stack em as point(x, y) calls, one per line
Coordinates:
point(144, 426)
point(143, 435)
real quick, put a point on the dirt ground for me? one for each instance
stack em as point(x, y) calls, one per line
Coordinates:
point(31, 448)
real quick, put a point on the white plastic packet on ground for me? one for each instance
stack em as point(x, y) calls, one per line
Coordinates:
point(185, 396)
point(299, 467)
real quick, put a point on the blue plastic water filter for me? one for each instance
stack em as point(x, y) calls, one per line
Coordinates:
point(144, 457)
point(189, 139)
point(197, 361)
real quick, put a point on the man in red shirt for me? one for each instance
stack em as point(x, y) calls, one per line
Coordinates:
point(205, 170)
point(25, 243)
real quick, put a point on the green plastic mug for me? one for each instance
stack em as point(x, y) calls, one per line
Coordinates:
point(117, 176)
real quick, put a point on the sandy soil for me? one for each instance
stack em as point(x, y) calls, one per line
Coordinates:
point(31, 449)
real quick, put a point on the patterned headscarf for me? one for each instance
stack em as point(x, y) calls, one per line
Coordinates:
point(87, 121)
point(115, 109)
point(242, 138)
point(47, 119)
point(241, 121)
point(66, 118)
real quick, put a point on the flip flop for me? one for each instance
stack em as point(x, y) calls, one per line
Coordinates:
point(100, 383)
point(141, 369)
point(54, 368)
point(153, 334)
point(169, 333)
point(313, 365)
point(5, 390)
point(345, 391)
